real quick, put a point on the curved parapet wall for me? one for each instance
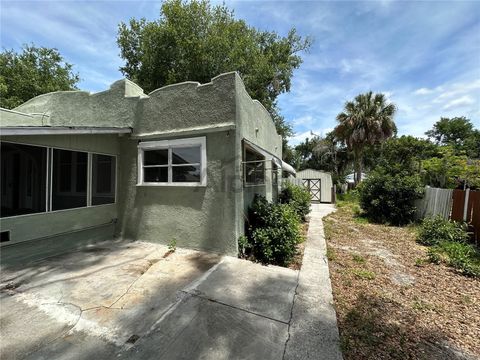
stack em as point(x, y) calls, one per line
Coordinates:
point(255, 123)
point(115, 107)
point(187, 105)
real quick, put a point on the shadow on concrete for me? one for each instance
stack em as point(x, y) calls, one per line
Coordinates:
point(148, 308)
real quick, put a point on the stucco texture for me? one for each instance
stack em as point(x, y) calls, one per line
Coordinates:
point(209, 218)
point(195, 217)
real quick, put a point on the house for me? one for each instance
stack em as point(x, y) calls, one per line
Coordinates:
point(181, 163)
point(318, 182)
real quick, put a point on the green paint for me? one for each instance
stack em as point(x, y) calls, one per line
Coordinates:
point(209, 218)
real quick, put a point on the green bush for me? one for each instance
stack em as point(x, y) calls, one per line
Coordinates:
point(388, 197)
point(273, 232)
point(448, 241)
point(297, 197)
point(435, 230)
point(459, 255)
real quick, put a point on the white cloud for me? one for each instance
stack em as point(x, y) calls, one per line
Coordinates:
point(459, 102)
point(423, 91)
point(300, 137)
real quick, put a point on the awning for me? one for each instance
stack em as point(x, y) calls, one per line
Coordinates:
point(269, 156)
point(288, 168)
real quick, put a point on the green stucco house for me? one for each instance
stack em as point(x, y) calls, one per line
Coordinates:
point(182, 162)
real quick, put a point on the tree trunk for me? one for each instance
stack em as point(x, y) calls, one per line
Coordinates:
point(358, 167)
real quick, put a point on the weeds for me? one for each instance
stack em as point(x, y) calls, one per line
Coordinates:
point(364, 274)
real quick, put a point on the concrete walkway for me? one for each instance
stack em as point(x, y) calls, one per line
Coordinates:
point(137, 301)
point(313, 332)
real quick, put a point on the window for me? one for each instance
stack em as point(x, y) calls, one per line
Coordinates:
point(274, 173)
point(173, 162)
point(103, 179)
point(23, 177)
point(254, 168)
point(37, 179)
point(69, 179)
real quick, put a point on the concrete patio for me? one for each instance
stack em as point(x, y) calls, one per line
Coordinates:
point(135, 300)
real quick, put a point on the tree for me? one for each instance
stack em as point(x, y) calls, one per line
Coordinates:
point(448, 170)
point(197, 41)
point(457, 132)
point(367, 120)
point(452, 131)
point(34, 71)
point(406, 153)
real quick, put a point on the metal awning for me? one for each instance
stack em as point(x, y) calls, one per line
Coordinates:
point(269, 156)
point(288, 168)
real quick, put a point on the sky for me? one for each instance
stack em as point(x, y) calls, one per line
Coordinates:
point(424, 55)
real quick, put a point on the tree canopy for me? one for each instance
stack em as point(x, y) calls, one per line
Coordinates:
point(34, 71)
point(197, 41)
point(457, 132)
point(367, 120)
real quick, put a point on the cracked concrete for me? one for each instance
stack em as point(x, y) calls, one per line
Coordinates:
point(135, 300)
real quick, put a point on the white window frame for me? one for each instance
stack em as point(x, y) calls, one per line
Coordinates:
point(169, 145)
point(263, 160)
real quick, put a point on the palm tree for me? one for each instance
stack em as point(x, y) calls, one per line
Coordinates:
point(367, 120)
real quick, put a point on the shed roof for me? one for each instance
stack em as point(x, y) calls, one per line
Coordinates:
point(312, 174)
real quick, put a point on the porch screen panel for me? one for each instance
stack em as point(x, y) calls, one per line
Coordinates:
point(69, 179)
point(23, 179)
point(254, 168)
point(103, 179)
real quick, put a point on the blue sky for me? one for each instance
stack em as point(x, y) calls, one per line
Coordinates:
point(424, 55)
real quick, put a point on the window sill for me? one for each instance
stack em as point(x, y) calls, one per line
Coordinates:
point(253, 185)
point(172, 185)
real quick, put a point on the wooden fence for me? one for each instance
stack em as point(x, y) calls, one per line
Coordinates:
point(435, 202)
point(458, 205)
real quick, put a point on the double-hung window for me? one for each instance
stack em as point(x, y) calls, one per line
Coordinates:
point(181, 162)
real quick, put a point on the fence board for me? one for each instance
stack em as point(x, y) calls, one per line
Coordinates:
point(435, 202)
point(458, 205)
point(473, 213)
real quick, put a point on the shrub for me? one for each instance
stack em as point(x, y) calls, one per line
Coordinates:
point(389, 197)
point(297, 197)
point(461, 256)
point(435, 230)
point(274, 232)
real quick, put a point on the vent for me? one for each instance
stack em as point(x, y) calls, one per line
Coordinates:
point(4, 236)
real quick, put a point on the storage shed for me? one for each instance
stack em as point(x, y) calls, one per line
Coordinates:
point(318, 182)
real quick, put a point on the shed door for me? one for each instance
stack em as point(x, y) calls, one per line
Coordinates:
point(313, 185)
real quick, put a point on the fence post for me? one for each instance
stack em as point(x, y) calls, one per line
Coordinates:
point(465, 204)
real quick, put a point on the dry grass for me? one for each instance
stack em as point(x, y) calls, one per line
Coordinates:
point(391, 304)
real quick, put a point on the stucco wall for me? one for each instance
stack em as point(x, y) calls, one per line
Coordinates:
point(255, 124)
point(210, 217)
point(196, 217)
point(115, 107)
point(14, 118)
point(45, 225)
point(187, 105)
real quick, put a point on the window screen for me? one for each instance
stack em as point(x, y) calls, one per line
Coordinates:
point(69, 179)
point(103, 179)
point(23, 177)
point(254, 168)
